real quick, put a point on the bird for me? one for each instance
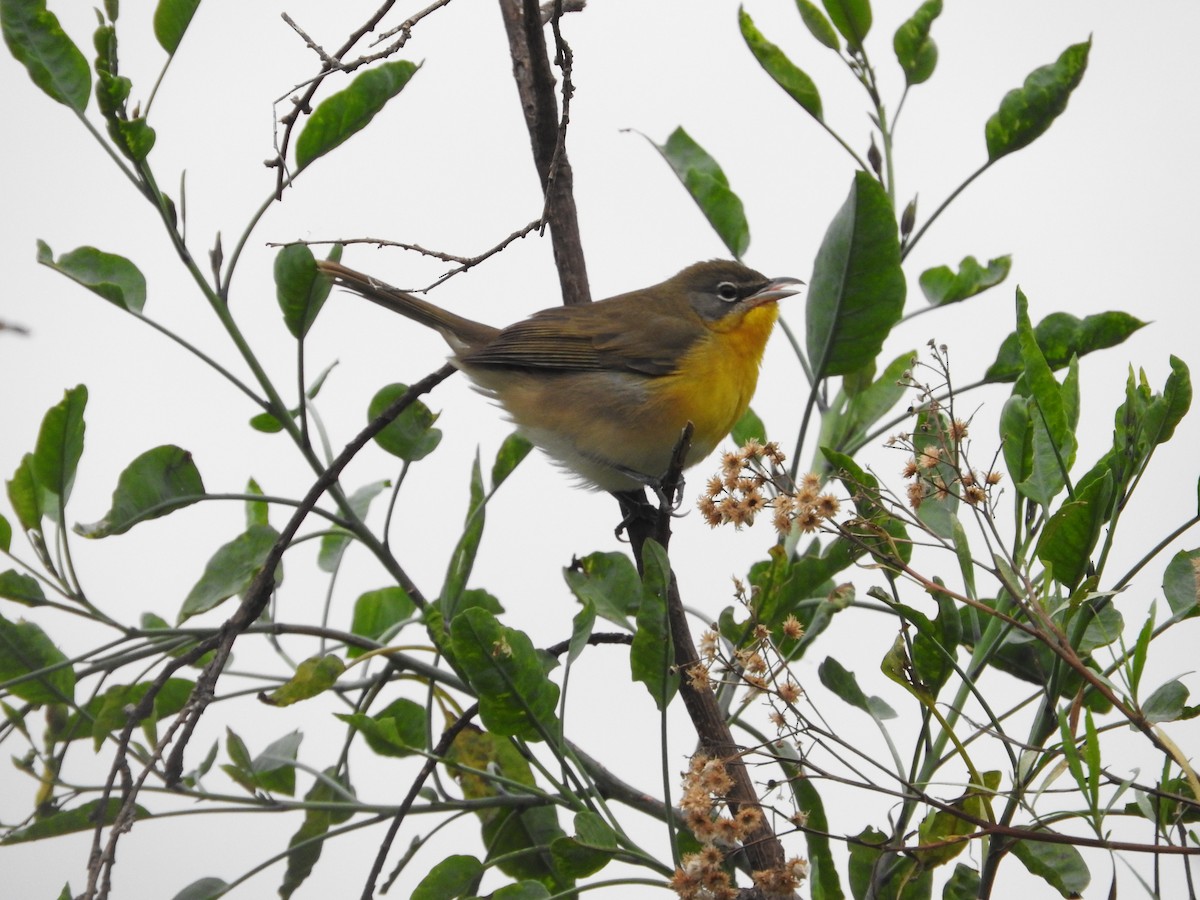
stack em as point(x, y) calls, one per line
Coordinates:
point(606, 388)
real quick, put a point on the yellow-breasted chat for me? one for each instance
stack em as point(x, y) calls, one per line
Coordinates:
point(606, 388)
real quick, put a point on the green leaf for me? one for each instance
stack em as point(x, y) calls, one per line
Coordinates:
point(462, 560)
point(873, 402)
point(1167, 703)
point(301, 292)
point(37, 41)
point(709, 187)
point(1026, 113)
point(591, 848)
point(522, 890)
point(304, 848)
point(22, 588)
point(411, 435)
point(313, 676)
point(610, 582)
point(516, 698)
point(231, 570)
point(842, 682)
point(273, 770)
point(399, 729)
point(25, 649)
point(82, 818)
point(349, 111)
point(787, 74)
point(514, 449)
point(1061, 336)
point(334, 544)
point(377, 612)
point(1059, 865)
point(59, 447)
point(171, 21)
point(158, 482)
point(1053, 439)
point(857, 290)
point(582, 626)
point(203, 889)
point(258, 512)
point(942, 285)
point(823, 879)
point(1181, 584)
point(25, 495)
point(818, 26)
point(963, 884)
point(652, 655)
point(455, 876)
point(5, 535)
point(749, 428)
point(915, 50)
point(113, 277)
point(852, 18)
point(1070, 535)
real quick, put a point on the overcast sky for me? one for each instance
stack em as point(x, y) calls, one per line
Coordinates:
point(1099, 214)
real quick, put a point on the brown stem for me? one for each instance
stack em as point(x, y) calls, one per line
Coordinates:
point(547, 134)
point(642, 522)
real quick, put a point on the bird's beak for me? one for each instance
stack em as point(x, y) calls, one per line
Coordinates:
point(775, 289)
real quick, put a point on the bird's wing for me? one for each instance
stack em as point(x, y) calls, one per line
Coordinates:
point(591, 337)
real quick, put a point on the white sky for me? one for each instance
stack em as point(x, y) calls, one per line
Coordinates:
point(1099, 214)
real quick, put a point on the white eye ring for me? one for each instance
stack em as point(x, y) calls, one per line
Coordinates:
point(727, 291)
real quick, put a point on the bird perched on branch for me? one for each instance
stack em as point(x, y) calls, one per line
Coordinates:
point(606, 388)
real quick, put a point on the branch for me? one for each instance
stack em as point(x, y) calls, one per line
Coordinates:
point(547, 136)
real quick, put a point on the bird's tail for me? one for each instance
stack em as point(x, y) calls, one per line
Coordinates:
point(460, 333)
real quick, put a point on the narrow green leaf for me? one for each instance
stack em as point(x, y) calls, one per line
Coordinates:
point(462, 560)
point(1181, 584)
point(1053, 440)
point(313, 676)
point(915, 50)
point(1061, 336)
point(818, 26)
point(231, 570)
point(1059, 865)
point(709, 187)
point(857, 290)
point(273, 770)
point(300, 291)
point(5, 535)
point(36, 40)
point(25, 649)
point(171, 21)
point(943, 286)
point(1026, 113)
point(377, 612)
point(59, 447)
point(514, 449)
point(411, 435)
point(515, 697)
point(787, 74)
point(334, 544)
point(70, 821)
point(258, 512)
point(824, 882)
point(653, 652)
point(852, 18)
point(582, 626)
point(399, 729)
point(842, 682)
point(22, 588)
point(113, 277)
point(304, 848)
point(610, 582)
point(349, 111)
point(454, 877)
point(158, 482)
point(1070, 535)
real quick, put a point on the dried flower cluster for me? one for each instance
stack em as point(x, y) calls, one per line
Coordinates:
point(703, 875)
point(937, 466)
point(752, 479)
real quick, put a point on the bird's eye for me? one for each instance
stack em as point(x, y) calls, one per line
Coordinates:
point(727, 291)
